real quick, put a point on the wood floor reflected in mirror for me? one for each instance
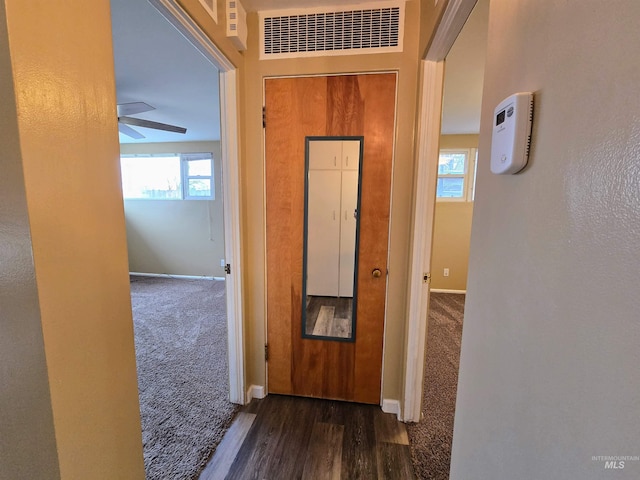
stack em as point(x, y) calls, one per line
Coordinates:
point(329, 316)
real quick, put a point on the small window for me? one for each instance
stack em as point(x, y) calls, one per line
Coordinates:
point(197, 173)
point(167, 176)
point(456, 175)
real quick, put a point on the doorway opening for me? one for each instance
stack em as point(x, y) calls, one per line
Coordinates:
point(182, 226)
point(431, 436)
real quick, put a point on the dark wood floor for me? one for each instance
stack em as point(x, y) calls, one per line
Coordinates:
point(283, 437)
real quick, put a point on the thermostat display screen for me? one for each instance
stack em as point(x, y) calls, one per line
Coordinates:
point(500, 118)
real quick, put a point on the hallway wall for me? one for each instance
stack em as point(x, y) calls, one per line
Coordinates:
point(549, 364)
point(27, 442)
point(62, 65)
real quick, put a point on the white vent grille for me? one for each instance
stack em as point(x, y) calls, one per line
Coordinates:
point(343, 32)
point(237, 24)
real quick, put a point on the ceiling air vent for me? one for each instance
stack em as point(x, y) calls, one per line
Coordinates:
point(336, 31)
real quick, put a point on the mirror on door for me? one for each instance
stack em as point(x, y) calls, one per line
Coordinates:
point(332, 203)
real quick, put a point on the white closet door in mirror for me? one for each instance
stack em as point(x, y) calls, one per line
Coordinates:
point(350, 154)
point(348, 225)
point(325, 155)
point(323, 235)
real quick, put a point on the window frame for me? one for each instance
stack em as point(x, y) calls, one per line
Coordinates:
point(469, 175)
point(185, 158)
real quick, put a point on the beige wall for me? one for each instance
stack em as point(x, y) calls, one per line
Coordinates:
point(549, 359)
point(253, 187)
point(65, 95)
point(452, 231)
point(179, 237)
point(451, 238)
point(459, 141)
point(27, 441)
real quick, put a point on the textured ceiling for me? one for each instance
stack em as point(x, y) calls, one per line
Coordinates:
point(155, 64)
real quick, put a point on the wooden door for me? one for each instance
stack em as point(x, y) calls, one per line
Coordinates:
point(347, 105)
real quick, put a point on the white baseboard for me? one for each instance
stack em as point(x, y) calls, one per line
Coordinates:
point(255, 391)
point(444, 290)
point(167, 275)
point(391, 406)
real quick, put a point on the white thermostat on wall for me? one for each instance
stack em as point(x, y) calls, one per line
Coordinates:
point(511, 137)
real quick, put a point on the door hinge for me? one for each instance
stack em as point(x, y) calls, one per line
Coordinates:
point(227, 268)
point(426, 277)
point(264, 117)
point(266, 353)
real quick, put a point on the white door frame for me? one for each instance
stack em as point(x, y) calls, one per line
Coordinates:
point(176, 15)
point(454, 18)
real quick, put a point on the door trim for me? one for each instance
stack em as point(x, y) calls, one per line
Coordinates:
point(429, 128)
point(454, 18)
point(229, 128)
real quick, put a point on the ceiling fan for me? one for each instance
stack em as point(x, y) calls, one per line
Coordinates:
point(132, 108)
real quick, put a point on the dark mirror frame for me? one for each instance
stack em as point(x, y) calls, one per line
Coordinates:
point(354, 308)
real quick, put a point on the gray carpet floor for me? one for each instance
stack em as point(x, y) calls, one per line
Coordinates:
point(430, 439)
point(181, 351)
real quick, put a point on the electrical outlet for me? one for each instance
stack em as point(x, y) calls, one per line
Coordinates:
point(222, 264)
point(446, 272)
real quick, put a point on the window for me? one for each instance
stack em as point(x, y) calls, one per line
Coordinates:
point(168, 176)
point(197, 175)
point(456, 175)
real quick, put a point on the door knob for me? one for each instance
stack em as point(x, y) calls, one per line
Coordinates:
point(376, 273)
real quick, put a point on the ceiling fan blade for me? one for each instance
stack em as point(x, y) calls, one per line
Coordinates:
point(130, 132)
point(139, 122)
point(133, 107)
